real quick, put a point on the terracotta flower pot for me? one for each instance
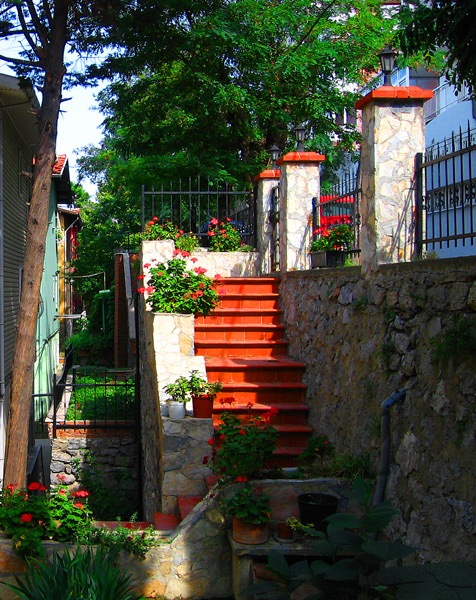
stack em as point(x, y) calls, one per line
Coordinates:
point(249, 533)
point(285, 532)
point(202, 407)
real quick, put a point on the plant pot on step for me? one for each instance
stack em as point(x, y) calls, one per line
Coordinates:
point(202, 406)
point(314, 508)
point(249, 533)
point(285, 533)
point(176, 409)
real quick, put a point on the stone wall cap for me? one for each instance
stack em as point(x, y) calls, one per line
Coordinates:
point(268, 174)
point(306, 157)
point(391, 92)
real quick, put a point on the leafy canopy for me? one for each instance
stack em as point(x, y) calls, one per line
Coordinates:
point(441, 26)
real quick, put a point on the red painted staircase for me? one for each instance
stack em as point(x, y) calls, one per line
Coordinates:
point(244, 347)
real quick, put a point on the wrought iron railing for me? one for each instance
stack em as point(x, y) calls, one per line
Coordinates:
point(446, 196)
point(193, 203)
point(95, 400)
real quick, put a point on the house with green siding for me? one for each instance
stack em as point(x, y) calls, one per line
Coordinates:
point(18, 139)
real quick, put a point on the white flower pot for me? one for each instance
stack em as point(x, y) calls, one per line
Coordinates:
point(176, 409)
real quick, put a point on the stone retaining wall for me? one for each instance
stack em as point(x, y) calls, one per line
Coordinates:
point(362, 339)
point(116, 459)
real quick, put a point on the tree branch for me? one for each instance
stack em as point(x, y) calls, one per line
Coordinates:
point(46, 8)
point(19, 61)
point(313, 26)
point(37, 23)
point(25, 31)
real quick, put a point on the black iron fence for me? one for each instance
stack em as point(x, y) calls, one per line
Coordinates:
point(95, 400)
point(446, 196)
point(340, 204)
point(193, 203)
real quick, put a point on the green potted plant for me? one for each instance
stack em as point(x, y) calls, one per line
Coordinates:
point(251, 513)
point(179, 395)
point(332, 246)
point(203, 394)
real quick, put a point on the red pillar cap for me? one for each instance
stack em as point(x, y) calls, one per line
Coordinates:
point(306, 157)
point(268, 174)
point(395, 93)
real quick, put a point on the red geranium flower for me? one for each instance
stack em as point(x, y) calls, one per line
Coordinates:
point(78, 505)
point(210, 441)
point(34, 486)
point(214, 221)
point(26, 518)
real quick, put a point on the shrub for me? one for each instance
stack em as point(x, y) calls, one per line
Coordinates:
point(84, 575)
point(225, 238)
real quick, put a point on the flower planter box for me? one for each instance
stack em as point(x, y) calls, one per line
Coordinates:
point(330, 258)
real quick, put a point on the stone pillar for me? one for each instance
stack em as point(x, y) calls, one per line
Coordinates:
point(393, 132)
point(300, 182)
point(266, 181)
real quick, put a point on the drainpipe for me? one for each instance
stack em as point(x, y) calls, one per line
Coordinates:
point(384, 468)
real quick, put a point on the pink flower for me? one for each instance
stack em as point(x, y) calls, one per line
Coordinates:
point(185, 253)
point(147, 265)
point(200, 270)
point(140, 276)
point(26, 518)
point(141, 290)
point(194, 259)
point(176, 251)
point(149, 289)
point(214, 221)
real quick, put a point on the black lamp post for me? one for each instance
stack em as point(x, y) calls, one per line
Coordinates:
point(300, 132)
point(275, 152)
point(387, 64)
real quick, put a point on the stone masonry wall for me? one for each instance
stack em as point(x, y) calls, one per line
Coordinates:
point(116, 459)
point(361, 340)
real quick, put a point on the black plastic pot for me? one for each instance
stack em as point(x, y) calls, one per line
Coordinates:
point(314, 508)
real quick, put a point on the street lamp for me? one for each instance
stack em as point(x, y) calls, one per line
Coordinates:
point(387, 64)
point(300, 132)
point(275, 152)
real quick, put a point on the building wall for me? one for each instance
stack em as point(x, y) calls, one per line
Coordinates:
point(363, 339)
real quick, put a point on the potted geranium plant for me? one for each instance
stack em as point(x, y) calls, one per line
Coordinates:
point(332, 246)
point(251, 514)
point(174, 288)
point(203, 394)
point(225, 238)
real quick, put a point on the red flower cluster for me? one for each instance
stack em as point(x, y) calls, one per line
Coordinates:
point(36, 486)
point(26, 518)
point(80, 494)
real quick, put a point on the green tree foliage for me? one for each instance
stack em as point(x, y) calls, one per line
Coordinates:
point(431, 28)
point(213, 84)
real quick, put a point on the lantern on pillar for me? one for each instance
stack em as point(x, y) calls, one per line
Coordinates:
point(300, 133)
point(387, 64)
point(275, 152)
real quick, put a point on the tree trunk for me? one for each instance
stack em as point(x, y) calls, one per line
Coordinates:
point(24, 354)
